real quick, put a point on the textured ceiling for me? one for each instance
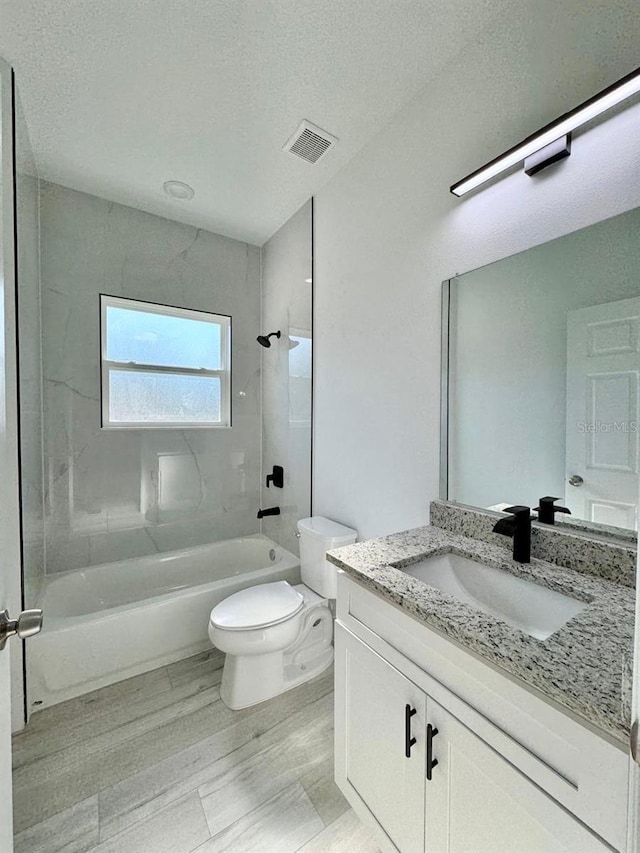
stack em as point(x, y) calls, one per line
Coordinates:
point(122, 95)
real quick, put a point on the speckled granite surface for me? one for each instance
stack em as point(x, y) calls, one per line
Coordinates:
point(592, 555)
point(584, 666)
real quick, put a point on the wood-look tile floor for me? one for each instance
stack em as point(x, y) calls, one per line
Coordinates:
point(158, 764)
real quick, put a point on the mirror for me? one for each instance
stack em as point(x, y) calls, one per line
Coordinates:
point(541, 366)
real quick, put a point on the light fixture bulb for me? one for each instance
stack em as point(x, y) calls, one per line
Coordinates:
point(590, 109)
point(179, 190)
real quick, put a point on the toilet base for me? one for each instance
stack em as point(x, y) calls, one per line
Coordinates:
point(250, 679)
point(239, 690)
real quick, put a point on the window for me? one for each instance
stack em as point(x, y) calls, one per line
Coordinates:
point(163, 366)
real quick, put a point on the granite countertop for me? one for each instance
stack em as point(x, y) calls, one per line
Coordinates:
point(584, 666)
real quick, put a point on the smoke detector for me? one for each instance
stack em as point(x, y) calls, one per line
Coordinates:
point(309, 142)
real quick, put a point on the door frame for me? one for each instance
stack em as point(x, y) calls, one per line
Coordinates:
point(11, 665)
point(10, 501)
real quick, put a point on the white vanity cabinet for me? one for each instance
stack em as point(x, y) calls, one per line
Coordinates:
point(477, 801)
point(382, 709)
point(495, 770)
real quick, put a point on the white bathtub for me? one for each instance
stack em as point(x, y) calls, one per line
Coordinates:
point(110, 622)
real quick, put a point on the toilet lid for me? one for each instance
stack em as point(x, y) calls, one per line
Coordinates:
point(257, 607)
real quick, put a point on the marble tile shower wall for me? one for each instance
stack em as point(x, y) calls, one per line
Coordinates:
point(101, 500)
point(286, 390)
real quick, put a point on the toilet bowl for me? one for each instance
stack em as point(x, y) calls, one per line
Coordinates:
point(275, 635)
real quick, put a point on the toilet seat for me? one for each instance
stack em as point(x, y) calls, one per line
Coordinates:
point(257, 607)
point(276, 636)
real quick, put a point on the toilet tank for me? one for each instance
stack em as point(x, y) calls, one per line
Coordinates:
point(317, 536)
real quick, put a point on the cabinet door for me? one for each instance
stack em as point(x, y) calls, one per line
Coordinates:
point(477, 801)
point(372, 728)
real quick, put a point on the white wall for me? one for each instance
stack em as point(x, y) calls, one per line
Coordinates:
point(387, 232)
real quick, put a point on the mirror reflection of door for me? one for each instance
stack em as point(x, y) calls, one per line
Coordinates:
point(603, 389)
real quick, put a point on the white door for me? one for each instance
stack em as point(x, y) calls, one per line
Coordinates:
point(9, 501)
point(603, 384)
point(379, 713)
point(477, 801)
point(634, 772)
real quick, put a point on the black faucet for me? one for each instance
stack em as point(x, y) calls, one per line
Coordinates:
point(518, 525)
point(272, 510)
point(547, 511)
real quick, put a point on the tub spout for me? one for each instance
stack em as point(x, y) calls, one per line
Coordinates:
point(272, 510)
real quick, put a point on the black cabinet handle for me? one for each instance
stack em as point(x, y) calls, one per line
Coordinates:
point(432, 731)
point(408, 740)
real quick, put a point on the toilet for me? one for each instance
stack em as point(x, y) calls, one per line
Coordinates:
point(276, 635)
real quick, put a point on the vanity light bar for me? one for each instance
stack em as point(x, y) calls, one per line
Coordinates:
point(600, 103)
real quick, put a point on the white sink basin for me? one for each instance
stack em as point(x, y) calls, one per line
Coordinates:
point(534, 609)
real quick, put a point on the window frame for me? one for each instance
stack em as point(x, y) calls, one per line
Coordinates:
point(223, 373)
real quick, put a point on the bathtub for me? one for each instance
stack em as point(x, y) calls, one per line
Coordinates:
point(110, 622)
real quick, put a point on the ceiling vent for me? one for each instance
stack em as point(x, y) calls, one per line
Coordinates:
point(309, 142)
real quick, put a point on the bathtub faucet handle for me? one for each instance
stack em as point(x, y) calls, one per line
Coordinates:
point(276, 477)
point(28, 623)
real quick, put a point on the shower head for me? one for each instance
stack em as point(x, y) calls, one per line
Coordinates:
point(264, 341)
